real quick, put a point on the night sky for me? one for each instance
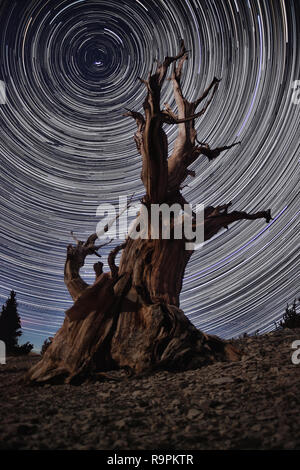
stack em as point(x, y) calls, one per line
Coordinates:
point(70, 69)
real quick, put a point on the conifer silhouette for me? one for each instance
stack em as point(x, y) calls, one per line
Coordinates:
point(10, 327)
point(10, 323)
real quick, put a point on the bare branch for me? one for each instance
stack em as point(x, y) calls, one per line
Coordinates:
point(216, 211)
point(177, 70)
point(112, 257)
point(216, 218)
point(168, 113)
point(75, 238)
point(112, 221)
point(151, 140)
point(96, 248)
point(184, 152)
point(225, 219)
point(91, 240)
point(162, 68)
point(211, 154)
point(140, 121)
point(208, 101)
point(214, 83)
point(169, 119)
point(139, 118)
point(145, 82)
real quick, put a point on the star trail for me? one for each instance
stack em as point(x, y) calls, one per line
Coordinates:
point(70, 70)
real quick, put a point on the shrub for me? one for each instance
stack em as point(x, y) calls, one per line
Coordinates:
point(290, 319)
point(23, 349)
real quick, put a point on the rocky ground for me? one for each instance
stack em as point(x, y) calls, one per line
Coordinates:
point(250, 404)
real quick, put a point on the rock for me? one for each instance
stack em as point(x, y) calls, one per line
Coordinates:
point(194, 413)
point(252, 404)
point(119, 445)
point(222, 381)
point(175, 402)
point(120, 424)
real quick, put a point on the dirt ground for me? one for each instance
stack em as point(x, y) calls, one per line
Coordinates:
point(250, 404)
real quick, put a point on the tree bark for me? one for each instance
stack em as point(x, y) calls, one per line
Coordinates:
point(130, 318)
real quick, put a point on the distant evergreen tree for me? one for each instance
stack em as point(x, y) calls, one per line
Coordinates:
point(10, 323)
point(10, 327)
point(46, 345)
point(291, 318)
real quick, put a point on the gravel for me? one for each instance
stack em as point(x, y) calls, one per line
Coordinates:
point(250, 404)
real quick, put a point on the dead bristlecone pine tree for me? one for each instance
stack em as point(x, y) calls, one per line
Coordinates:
point(130, 317)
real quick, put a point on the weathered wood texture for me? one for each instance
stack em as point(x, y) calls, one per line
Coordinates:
point(130, 318)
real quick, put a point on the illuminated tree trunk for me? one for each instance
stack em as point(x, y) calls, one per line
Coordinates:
point(130, 318)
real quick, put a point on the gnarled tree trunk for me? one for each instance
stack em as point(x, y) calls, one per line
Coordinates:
point(130, 318)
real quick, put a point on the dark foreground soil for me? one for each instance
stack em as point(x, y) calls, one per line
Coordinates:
point(250, 404)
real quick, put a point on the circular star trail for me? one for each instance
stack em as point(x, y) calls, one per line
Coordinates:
point(71, 69)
